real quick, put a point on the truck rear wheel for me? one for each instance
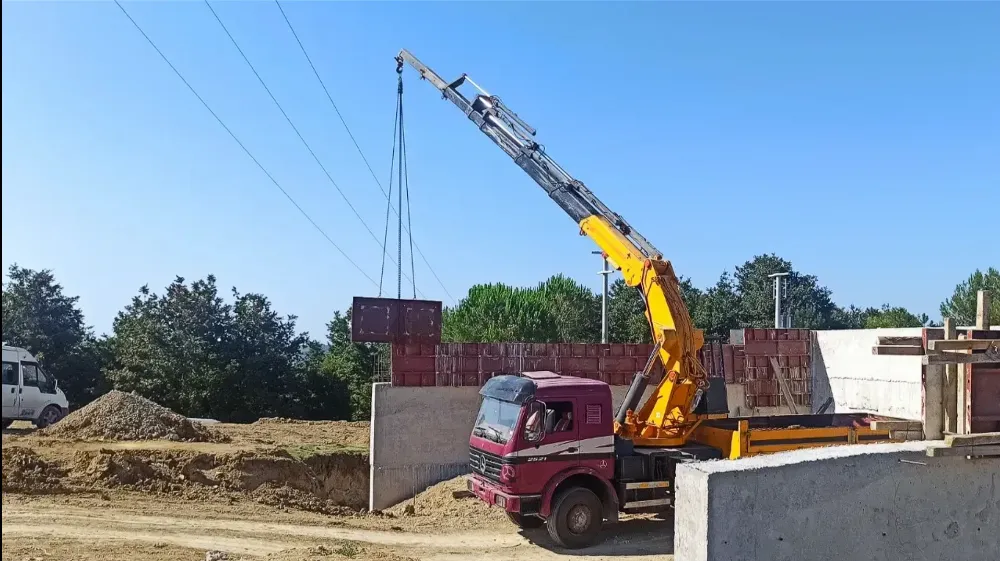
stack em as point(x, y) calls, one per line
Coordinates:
point(576, 518)
point(7, 423)
point(524, 521)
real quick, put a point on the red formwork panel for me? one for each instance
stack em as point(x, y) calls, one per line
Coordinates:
point(983, 386)
point(388, 320)
point(761, 348)
point(464, 364)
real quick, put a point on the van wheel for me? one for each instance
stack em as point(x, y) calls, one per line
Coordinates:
point(49, 416)
point(525, 522)
point(576, 519)
point(7, 423)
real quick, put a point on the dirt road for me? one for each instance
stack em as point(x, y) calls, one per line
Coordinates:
point(278, 489)
point(92, 529)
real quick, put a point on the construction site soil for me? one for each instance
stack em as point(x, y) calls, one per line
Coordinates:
point(126, 478)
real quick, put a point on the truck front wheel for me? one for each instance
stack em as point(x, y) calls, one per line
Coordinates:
point(524, 521)
point(576, 518)
point(49, 416)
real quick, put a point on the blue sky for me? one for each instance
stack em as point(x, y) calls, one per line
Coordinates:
point(845, 137)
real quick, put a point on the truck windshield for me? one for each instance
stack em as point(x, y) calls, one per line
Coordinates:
point(496, 420)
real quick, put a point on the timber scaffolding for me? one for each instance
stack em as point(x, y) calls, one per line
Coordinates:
point(961, 377)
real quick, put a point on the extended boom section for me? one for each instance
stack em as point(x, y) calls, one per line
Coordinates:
point(666, 418)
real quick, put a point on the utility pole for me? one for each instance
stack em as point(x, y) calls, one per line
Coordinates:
point(781, 321)
point(605, 272)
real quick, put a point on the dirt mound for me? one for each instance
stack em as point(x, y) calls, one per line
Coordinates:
point(449, 500)
point(25, 472)
point(328, 484)
point(128, 416)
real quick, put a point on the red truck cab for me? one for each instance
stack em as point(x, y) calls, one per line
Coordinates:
point(543, 449)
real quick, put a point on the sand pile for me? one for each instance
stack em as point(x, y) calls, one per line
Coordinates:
point(449, 503)
point(128, 416)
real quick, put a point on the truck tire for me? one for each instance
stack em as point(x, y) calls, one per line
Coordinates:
point(49, 416)
point(7, 423)
point(576, 518)
point(525, 522)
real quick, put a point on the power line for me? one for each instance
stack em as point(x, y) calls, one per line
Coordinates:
point(294, 128)
point(356, 145)
point(241, 145)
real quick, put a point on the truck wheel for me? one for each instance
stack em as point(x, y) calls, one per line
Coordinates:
point(7, 423)
point(525, 522)
point(576, 518)
point(49, 416)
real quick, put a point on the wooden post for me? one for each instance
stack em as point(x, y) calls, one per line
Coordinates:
point(933, 401)
point(962, 403)
point(983, 309)
point(950, 394)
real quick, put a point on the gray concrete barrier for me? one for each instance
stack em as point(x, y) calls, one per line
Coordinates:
point(858, 503)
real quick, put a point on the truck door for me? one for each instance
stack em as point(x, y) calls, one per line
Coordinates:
point(10, 389)
point(31, 395)
point(560, 447)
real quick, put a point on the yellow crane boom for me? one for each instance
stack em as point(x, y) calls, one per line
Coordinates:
point(667, 418)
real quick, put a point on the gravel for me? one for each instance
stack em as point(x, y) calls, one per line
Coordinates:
point(128, 416)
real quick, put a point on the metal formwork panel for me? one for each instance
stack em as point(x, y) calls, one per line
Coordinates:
point(388, 320)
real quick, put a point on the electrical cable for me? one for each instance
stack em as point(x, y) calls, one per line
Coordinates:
point(343, 121)
point(241, 145)
point(292, 124)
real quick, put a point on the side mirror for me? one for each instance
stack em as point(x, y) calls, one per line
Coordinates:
point(533, 426)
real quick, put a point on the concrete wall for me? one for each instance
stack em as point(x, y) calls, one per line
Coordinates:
point(843, 367)
point(885, 502)
point(420, 436)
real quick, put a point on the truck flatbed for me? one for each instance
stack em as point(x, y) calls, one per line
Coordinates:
point(749, 436)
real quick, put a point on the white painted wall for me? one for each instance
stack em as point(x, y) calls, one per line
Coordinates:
point(844, 367)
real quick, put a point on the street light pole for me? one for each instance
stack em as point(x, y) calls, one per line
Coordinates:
point(605, 272)
point(780, 292)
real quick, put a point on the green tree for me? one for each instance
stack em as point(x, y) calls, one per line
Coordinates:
point(718, 309)
point(39, 316)
point(350, 364)
point(961, 306)
point(575, 309)
point(627, 314)
point(191, 351)
point(497, 312)
point(889, 316)
point(811, 305)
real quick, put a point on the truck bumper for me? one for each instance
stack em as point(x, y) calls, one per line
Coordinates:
point(492, 495)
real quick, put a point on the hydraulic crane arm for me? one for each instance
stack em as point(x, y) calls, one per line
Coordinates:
point(666, 418)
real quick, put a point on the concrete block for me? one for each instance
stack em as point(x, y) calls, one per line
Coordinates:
point(872, 502)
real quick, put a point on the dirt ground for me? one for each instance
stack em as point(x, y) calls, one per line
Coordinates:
point(276, 490)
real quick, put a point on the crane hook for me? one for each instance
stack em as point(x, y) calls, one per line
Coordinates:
point(399, 65)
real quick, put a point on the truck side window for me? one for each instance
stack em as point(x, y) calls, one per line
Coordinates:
point(30, 373)
point(10, 373)
point(561, 413)
point(46, 383)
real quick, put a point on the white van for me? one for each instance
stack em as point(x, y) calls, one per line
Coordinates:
point(29, 394)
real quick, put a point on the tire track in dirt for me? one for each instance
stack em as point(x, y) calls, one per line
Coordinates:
point(199, 532)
